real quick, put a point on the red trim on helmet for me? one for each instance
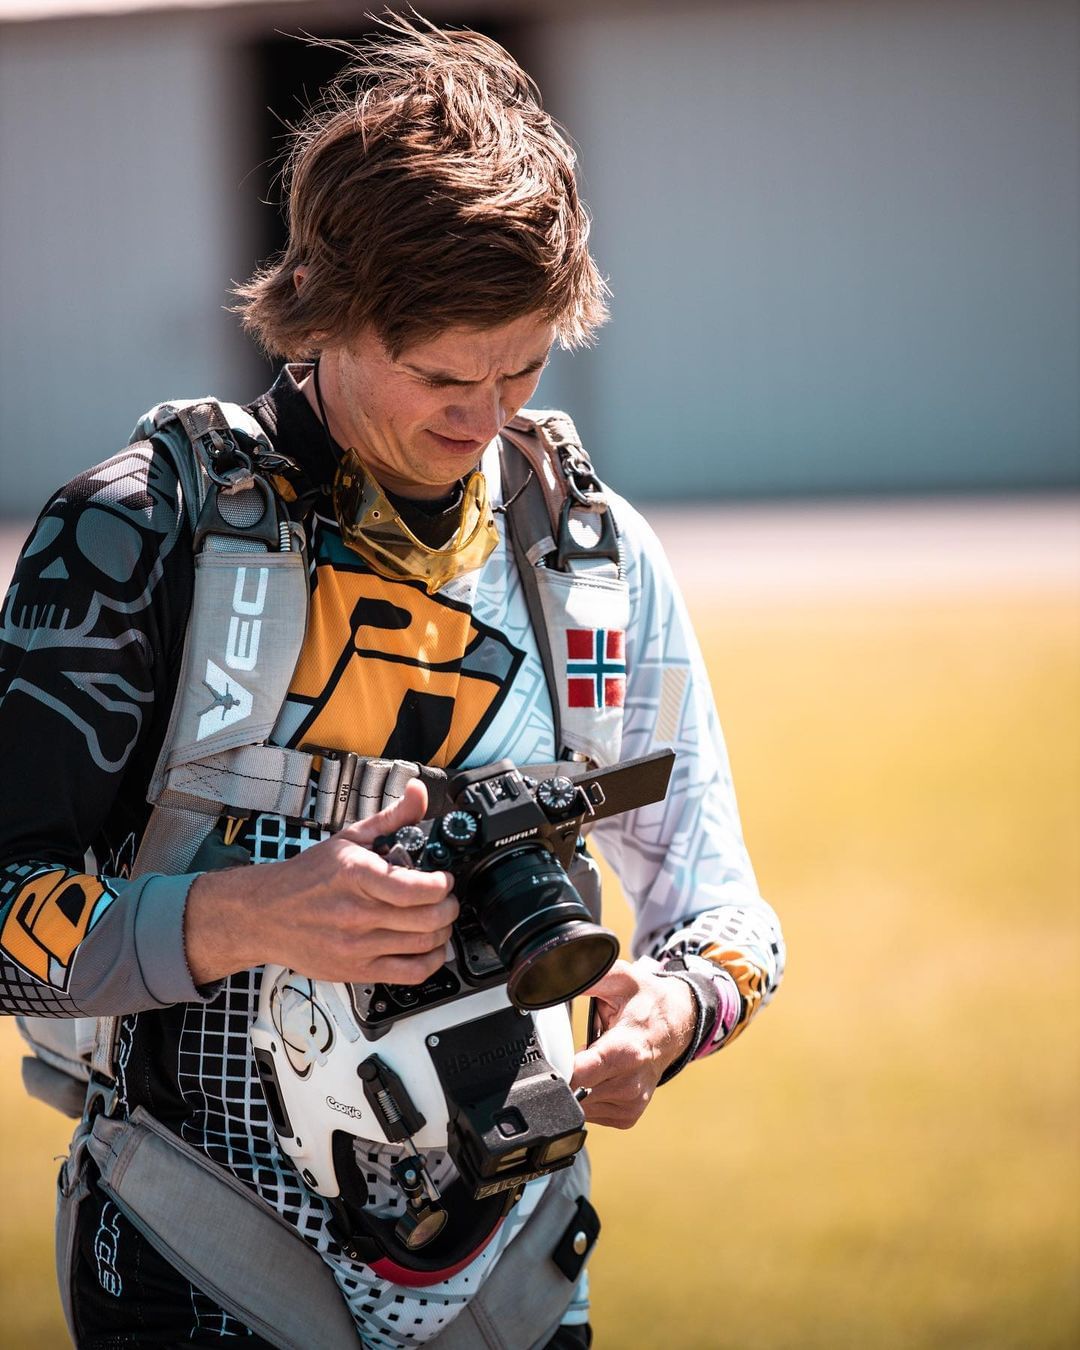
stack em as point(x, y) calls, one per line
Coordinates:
point(388, 1269)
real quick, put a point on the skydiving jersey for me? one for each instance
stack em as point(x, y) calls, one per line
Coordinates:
point(90, 645)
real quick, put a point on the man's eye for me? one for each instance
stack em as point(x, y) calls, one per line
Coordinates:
point(442, 384)
point(465, 384)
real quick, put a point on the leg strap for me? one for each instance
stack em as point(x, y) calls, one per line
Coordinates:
point(220, 1236)
point(240, 1252)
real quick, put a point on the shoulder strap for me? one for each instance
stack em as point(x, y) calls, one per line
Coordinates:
point(244, 631)
point(249, 607)
point(571, 490)
point(566, 546)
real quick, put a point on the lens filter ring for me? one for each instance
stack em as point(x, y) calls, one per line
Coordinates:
point(564, 965)
point(542, 930)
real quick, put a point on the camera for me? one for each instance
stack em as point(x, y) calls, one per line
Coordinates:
point(508, 841)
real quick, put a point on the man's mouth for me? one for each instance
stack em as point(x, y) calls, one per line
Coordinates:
point(455, 446)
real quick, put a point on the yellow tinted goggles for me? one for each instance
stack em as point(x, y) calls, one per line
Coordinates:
point(371, 526)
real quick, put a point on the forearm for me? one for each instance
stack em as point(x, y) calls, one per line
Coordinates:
point(219, 933)
point(683, 862)
point(86, 661)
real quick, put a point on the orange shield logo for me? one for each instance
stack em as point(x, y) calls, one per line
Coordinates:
point(49, 917)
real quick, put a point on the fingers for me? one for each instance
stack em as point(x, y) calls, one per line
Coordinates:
point(610, 1057)
point(402, 886)
point(408, 811)
point(412, 918)
point(394, 968)
point(392, 942)
point(615, 1115)
point(404, 969)
point(399, 886)
point(619, 1099)
point(620, 1077)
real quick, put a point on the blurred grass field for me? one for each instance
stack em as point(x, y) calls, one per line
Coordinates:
point(889, 1157)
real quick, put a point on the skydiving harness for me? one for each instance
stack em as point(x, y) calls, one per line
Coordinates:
point(245, 632)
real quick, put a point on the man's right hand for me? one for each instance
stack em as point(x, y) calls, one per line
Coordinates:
point(336, 911)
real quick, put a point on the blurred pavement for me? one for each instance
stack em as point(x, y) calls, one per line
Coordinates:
point(885, 548)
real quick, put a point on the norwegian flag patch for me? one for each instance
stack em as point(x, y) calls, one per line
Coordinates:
point(595, 667)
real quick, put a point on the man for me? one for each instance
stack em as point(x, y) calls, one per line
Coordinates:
point(437, 250)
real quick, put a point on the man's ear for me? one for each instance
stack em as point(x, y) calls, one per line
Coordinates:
point(299, 275)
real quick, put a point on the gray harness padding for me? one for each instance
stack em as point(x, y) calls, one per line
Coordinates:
point(208, 1226)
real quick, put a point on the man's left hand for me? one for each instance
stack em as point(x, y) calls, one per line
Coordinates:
point(646, 1023)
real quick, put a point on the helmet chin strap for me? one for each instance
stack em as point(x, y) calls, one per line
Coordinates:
point(470, 1226)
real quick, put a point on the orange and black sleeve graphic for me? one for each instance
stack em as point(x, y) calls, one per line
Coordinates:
point(46, 920)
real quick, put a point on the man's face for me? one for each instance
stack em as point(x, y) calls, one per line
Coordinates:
point(422, 421)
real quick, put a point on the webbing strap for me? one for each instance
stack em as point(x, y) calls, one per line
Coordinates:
point(250, 778)
point(103, 1055)
point(220, 1236)
point(268, 778)
point(529, 431)
point(356, 787)
point(527, 519)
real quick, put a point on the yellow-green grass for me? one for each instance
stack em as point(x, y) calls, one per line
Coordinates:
point(888, 1158)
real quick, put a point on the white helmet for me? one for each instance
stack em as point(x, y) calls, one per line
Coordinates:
point(330, 1077)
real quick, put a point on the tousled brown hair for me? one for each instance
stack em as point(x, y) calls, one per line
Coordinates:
point(428, 190)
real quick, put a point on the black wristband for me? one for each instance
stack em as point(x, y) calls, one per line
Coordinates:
point(706, 1004)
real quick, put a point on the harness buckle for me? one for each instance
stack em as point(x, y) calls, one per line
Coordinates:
point(567, 548)
point(102, 1095)
point(349, 763)
point(226, 463)
point(245, 509)
point(581, 481)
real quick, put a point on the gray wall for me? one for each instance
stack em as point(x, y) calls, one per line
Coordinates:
point(843, 240)
point(842, 236)
point(122, 222)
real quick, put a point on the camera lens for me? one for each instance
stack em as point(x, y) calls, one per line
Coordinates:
point(539, 925)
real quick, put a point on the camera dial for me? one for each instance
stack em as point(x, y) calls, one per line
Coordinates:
point(556, 795)
point(459, 828)
point(412, 839)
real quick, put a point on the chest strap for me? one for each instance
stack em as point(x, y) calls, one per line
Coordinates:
point(268, 778)
point(256, 779)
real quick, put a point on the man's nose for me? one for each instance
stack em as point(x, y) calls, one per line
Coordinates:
point(483, 416)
